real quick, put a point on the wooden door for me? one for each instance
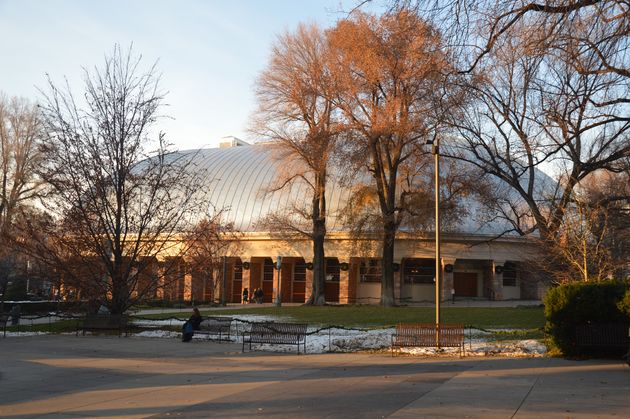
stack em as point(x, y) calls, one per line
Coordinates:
point(465, 284)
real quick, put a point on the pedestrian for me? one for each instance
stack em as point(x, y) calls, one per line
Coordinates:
point(452, 295)
point(245, 295)
point(15, 314)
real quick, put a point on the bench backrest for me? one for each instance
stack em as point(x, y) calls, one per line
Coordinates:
point(109, 321)
point(424, 333)
point(602, 334)
point(278, 332)
point(216, 324)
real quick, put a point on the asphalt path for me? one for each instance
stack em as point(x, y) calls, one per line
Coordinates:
point(63, 376)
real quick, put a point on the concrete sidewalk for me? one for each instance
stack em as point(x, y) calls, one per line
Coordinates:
point(71, 377)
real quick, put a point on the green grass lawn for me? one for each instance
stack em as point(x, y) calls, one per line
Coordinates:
point(526, 322)
point(59, 326)
point(376, 316)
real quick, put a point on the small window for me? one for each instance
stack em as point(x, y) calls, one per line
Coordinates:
point(299, 272)
point(332, 270)
point(509, 274)
point(268, 270)
point(238, 271)
point(419, 271)
point(370, 271)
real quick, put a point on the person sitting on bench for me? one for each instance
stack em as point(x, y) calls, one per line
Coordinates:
point(191, 325)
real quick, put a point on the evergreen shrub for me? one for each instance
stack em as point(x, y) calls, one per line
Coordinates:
point(582, 303)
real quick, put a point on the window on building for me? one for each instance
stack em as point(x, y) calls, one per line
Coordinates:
point(370, 270)
point(299, 272)
point(268, 270)
point(238, 270)
point(332, 270)
point(419, 271)
point(509, 274)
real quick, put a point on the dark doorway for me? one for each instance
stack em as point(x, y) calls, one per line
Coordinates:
point(465, 284)
point(331, 286)
point(267, 281)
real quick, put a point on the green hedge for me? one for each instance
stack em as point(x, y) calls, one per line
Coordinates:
point(570, 305)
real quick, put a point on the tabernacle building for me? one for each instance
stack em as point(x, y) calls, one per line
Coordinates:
point(477, 261)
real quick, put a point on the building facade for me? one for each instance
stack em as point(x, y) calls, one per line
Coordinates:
point(478, 262)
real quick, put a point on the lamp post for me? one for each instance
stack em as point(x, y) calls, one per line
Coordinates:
point(435, 150)
point(225, 281)
point(279, 285)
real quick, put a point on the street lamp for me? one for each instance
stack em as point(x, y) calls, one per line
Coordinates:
point(279, 285)
point(435, 150)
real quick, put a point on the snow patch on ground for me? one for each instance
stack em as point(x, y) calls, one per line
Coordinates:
point(20, 334)
point(346, 340)
point(355, 340)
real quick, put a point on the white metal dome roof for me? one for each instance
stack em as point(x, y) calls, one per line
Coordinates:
point(238, 180)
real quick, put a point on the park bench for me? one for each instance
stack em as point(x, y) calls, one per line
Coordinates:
point(104, 322)
point(4, 318)
point(272, 333)
point(608, 336)
point(424, 335)
point(215, 326)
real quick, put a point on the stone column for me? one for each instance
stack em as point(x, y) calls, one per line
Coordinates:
point(497, 280)
point(397, 281)
point(159, 291)
point(448, 278)
point(187, 286)
point(344, 286)
point(353, 274)
point(246, 275)
point(276, 285)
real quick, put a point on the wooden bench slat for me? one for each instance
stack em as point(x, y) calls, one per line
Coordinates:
point(424, 335)
point(272, 333)
point(215, 326)
point(94, 323)
point(602, 335)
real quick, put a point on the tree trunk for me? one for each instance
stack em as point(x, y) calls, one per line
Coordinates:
point(318, 297)
point(120, 294)
point(387, 269)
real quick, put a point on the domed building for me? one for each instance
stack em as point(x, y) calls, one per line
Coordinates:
point(478, 262)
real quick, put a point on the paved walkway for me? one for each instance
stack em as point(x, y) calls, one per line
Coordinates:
point(76, 377)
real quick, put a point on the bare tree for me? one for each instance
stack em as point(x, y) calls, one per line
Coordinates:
point(389, 73)
point(208, 243)
point(476, 27)
point(538, 110)
point(593, 241)
point(20, 160)
point(119, 198)
point(609, 194)
point(296, 111)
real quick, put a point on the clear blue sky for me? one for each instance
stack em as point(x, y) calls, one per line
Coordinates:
point(209, 52)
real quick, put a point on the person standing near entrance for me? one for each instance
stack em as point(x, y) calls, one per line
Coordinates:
point(452, 295)
point(245, 295)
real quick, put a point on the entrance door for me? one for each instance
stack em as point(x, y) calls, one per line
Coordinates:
point(465, 284)
point(331, 286)
point(267, 282)
point(237, 283)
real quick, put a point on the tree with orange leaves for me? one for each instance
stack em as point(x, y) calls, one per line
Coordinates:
point(296, 112)
point(389, 73)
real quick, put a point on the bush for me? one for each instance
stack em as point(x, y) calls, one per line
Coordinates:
point(570, 305)
point(624, 304)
